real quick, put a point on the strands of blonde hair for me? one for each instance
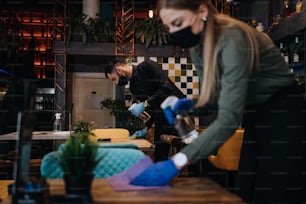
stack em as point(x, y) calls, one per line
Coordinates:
point(215, 26)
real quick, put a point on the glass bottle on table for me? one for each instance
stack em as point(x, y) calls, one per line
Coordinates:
point(302, 50)
point(284, 51)
point(57, 126)
point(286, 8)
point(298, 6)
point(253, 22)
point(296, 51)
point(260, 27)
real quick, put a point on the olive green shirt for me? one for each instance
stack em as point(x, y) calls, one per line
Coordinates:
point(238, 86)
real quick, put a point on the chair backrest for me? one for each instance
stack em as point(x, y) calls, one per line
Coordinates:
point(115, 160)
point(228, 155)
point(110, 133)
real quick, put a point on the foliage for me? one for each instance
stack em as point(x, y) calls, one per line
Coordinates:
point(124, 117)
point(77, 157)
point(151, 32)
point(300, 80)
point(83, 129)
point(97, 26)
point(9, 40)
point(85, 27)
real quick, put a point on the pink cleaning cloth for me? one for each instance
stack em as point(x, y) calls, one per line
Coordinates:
point(121, 181)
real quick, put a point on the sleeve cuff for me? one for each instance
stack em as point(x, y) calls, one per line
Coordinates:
point(180, 160)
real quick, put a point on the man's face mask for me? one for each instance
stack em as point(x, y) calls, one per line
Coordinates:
point(122, 81)
point(185, 37)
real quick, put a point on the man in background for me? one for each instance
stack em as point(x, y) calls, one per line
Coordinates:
point(150, 86)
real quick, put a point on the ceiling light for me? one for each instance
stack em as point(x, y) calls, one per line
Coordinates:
point(151, 13)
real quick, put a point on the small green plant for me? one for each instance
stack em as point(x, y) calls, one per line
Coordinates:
point(79, 157)
point(123, 116)
point(83, 129)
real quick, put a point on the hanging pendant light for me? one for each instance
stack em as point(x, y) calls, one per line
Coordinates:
point(151, 11)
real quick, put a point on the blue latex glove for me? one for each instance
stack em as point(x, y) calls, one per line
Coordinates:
point(158, 174)
point(137, 108)
point(139, 134)
point(169, 114)
point(184, 104)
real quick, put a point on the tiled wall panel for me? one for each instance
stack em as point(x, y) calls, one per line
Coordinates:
point(180, 70)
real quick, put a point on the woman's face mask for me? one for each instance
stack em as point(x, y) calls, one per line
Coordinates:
point(185, 38)
point(181, 27)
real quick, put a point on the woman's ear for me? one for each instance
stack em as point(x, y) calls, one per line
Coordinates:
point(203, 11)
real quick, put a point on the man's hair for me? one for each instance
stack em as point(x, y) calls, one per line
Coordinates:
point(110, 67)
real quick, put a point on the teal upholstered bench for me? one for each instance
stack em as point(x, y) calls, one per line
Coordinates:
point(115, 160)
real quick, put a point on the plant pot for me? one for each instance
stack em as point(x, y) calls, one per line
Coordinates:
point(78, 184)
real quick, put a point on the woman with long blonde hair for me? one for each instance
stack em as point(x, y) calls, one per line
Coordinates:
point(244, 73)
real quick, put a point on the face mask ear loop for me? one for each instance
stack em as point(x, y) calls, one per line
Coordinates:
point(204, 19)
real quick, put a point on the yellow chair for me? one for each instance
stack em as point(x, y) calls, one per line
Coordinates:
point(4, 188)
point(228, 155)
point(110, 133)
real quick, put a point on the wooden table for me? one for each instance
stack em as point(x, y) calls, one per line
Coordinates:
point(58, 137)
point(183, 190)
point(39, 135)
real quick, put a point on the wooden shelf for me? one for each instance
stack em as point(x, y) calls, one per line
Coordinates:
point(108, 49)
point(289, 26)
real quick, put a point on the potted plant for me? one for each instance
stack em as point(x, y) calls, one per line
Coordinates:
point(100, 30)
point(151, 32)
point(83, 129)
point(124, 118)
point(78, 158)
point(85, 27)
point(9, 41)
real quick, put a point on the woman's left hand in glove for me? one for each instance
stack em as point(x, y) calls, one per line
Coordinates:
point(158, 174)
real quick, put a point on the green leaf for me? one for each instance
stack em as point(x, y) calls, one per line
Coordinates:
point(124, 117)
point(151, 32)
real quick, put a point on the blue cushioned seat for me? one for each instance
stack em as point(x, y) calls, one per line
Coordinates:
point(115, 160)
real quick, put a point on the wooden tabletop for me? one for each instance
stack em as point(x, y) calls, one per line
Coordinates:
point(183, 190)
point(142, 144)
point(39, 135)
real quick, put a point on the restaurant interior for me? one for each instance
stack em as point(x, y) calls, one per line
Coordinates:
point(63, 47)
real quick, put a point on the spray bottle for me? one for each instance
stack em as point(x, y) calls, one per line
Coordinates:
point(179, 117)
point(57, 126)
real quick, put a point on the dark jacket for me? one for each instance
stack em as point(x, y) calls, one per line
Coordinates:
point(150, 83)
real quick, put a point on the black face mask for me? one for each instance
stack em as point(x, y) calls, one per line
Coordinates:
point(185, 38)
point(122, 81)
